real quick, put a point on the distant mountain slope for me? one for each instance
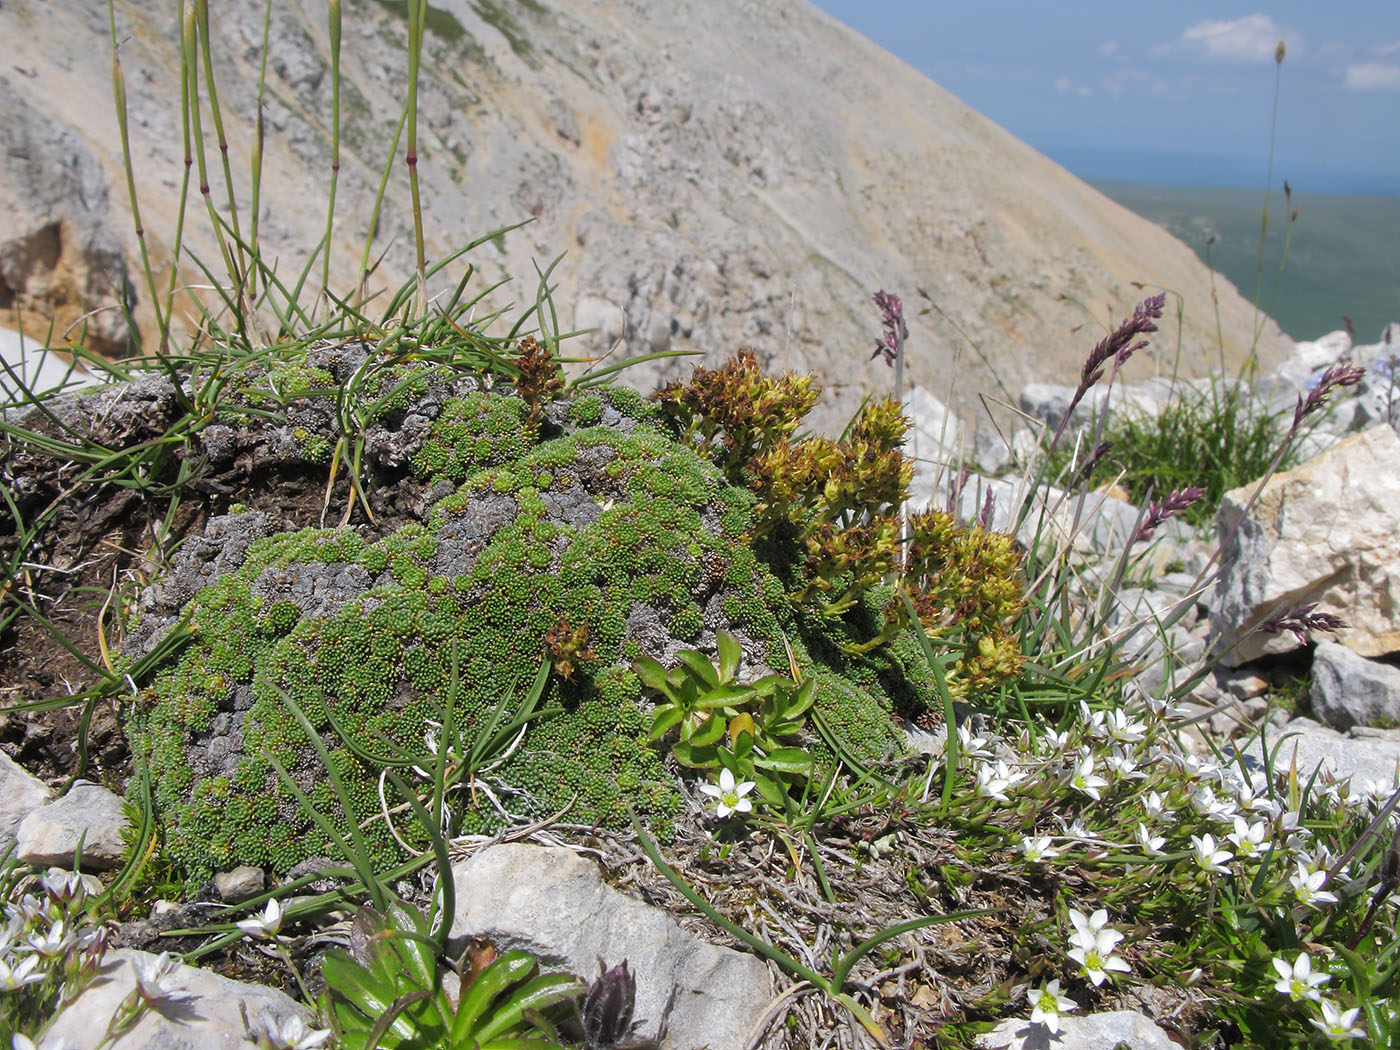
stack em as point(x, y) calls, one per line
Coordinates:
point(724, 172)
point(1343, 257)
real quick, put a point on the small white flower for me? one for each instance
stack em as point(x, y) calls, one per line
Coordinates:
point(1298, 982)
point(995, 781)
point(1151, 843)
point(1292, 822)
point(263, 926)
point(1037, 849)
point(1088, 927)
point(971, 745)
point(1085, 780)
point(19, 1041)
point(1121, 727)
point(1307, 884)
point(155, 976)
point(1156, 807)
point(1047, 1004)
point(1057, 741)
point(1124, 766)
point(730, 795)
point(292, 1034)
point(13, 978)
point(53, 942)
point(1248, 838)
point(1093, 946)
point(1093, 720)
point(1336, 1024)
point(1205, 802)
point(1207, 856)
point(1078, 830)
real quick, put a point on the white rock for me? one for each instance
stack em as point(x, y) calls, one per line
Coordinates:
point(937, 435)
point(1327, 532)
point(1370, 758)
point(1350, 690)
point(242, 883)
point(603, 315)
point(207, 1012)
point(89, 814)
point(1103, 1031)
point(20, 795)
point(555, 904)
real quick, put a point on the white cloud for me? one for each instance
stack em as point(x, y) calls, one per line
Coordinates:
point(1389, 49)
point(1373, 76)
point(1062, 85)
point(1248, 39)
point(1109, 49)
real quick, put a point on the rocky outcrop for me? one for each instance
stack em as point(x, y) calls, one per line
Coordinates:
point(1327, 534)
point(717, 174)
point(555, 905)
point(63, 256)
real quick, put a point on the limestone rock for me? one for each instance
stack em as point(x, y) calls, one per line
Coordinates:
point(89, 814)
point(242, 883)
point(1327, 532)
point(1102, 1031)
point(555, 904)
point(1369, 758)
point(207, 1012)
point(20, 795)
point(1350, 690)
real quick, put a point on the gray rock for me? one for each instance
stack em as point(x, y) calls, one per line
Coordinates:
point(1368, 757)
point(20, 795)
point(1102, 1031)
point(556, 905)
point(1327, 532)
point(207, 1012)
point(1350, 690)
point(242, 883)
point(89, 814)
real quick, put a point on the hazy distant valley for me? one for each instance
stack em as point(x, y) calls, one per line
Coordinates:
point(1342, 257)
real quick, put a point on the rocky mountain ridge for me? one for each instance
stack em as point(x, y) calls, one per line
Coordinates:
point(718, 174)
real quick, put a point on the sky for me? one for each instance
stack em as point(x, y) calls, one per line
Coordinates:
point(1116, 87)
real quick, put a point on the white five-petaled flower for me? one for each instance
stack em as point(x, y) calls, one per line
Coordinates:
point(1207, 856)
point(1047, 1004)
point(1121, 727)
point(1337, 1024)
point(971, 745)
point(1124, 766)
point(1150, 843)
point(1094, 943)
point(1205, 802)
point(1085, 779)
point(1298, 982)
point(1156, 807)
point(1307, 884)
point(54, 941)
point(155, 976)
point(1248, 838)
point(1098, 957)
point(13, 978)
point(1037, 849)
point(293, 1034)
point(1093, 720)
point(730, 794)
point(263, 926)
point(995, 781)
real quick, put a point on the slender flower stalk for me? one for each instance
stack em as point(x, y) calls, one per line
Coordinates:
point(1121, 344)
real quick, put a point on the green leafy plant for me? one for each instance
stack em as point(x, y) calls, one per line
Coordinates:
point(388, 991)
point(705, 706)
